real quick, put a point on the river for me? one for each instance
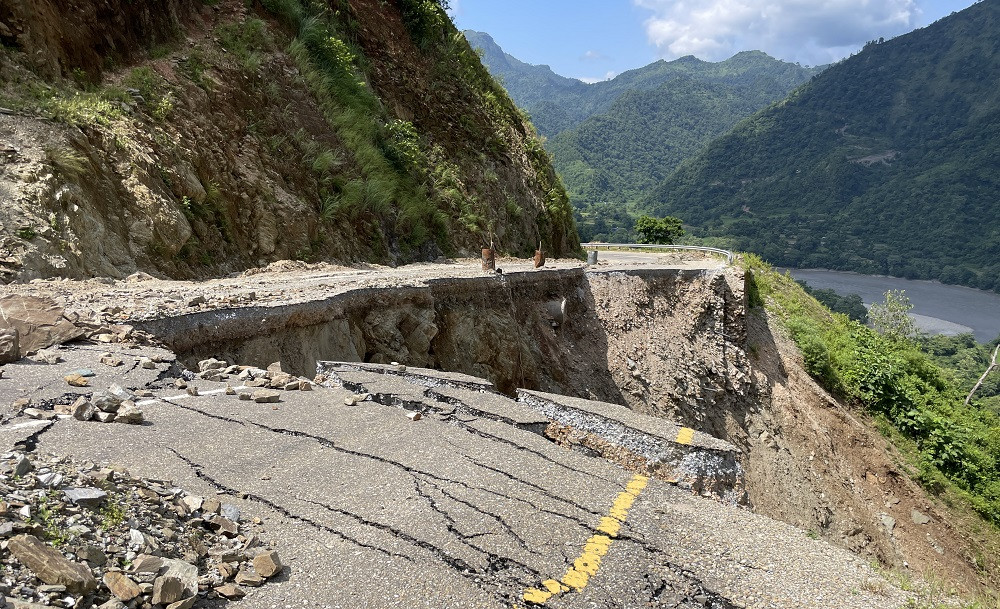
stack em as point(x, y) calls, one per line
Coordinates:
point(937, 308)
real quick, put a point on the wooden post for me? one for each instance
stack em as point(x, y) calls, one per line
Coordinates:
point(539, 256)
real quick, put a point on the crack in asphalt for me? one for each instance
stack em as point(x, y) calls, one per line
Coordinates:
point(716, 600)
point(390, 399)
point(30, 442)
point(496, 563)
point(199, 471)
point(499, 519)
point(543, 491)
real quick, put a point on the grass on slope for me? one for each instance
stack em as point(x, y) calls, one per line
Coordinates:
point(956, 447)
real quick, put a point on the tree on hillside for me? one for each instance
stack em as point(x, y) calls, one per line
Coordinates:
point(662, 231)
point(892, 317)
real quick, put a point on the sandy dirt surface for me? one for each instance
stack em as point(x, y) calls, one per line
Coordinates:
point(143, 297)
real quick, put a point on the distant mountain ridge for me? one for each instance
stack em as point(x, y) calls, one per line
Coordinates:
point(614, 141)
point(886, 163)
point(557, 103)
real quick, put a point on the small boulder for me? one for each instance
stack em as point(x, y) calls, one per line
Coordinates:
point(266, 396)
point(129, 413)
point(49, 565)
point(211, 364)
point(76, 380)
point(121, 586)
point(167, 589)
point(83, 409)
point(231, 591)
point(267, 564)
point(86, 497)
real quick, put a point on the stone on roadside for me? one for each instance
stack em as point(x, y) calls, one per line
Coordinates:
point(121, 393)
point(83, 410)
point(414, 416)
point(38, 322)
point(230, 390)
point(146, 364)
point(223, 526)
point(192, 503)
point(274, 367)
point(351, 400)
point(184, 604)
point(266, 396)
point(75, 380)
point(246, 578)
point(246, 396)
point(92, 556)
point(23, 466)
point(35, 413)
point(192, 391)
point(167, 589)
point(45, 356)
point(211, 505)
point(121, 586)
point(86, 497)
point(106, 401)
point(211, 364)
point(9, 346)
point(919, 517)
point(305, 386)
point(184, 571)
point(231, 591)
point(230, 511)
point(267, 564)
point(49, 565)
point(293, 386)
point(129, 413)
point(111, 360)
point(145, 563)
point(105, 417)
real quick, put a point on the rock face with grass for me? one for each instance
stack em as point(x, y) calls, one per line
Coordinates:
point(187, 139)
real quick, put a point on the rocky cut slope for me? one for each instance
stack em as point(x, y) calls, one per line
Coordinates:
point(194, 138)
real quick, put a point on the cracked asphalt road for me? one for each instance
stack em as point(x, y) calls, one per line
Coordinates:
point(372, 509)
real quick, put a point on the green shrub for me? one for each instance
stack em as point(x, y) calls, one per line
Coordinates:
point(889, 376)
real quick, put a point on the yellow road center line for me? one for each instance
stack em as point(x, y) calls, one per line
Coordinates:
point(685, 435)
point(596, 548)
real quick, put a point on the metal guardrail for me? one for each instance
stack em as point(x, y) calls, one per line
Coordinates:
point(642, 246)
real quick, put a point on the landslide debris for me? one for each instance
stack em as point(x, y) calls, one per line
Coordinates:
point(81, 534)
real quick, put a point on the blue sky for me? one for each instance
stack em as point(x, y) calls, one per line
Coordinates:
point(596, 39)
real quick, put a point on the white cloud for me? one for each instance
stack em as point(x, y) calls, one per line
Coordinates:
point(594, 56)
point(591, 80)
point(808, 31)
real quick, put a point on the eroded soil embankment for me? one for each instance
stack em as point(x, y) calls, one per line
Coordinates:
point(667, 342)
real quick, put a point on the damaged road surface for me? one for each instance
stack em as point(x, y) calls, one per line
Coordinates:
point(468, 505)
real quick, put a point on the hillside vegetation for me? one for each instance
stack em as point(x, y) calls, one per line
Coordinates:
point(195, 138)
point(956, 447)
point(884, 163)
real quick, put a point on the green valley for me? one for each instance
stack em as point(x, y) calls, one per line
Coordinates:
point(884, 164)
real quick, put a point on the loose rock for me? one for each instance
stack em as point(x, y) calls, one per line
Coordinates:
point(267, 564)
point(49, 565)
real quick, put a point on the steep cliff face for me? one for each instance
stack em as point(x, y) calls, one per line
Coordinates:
point(192, 139)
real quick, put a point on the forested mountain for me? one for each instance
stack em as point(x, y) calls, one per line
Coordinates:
point(622, 155)
point(557, 103)
point(614, 141)
point(885, 163)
